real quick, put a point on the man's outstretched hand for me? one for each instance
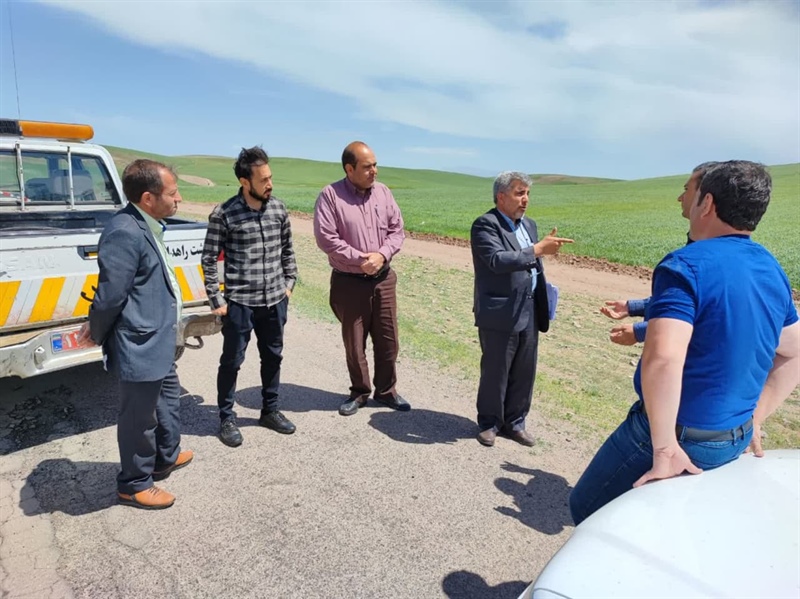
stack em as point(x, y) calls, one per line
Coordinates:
point(550, 244)
point(616, 310)
point(623, 334)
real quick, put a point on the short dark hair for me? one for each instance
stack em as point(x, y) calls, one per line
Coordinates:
point(248, 158)
point(740, 190)
point(702, 169)
point(144, 175)
point(349, 156)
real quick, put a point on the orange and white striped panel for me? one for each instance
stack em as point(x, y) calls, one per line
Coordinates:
point(43, 300)
point(59, 298)
point(191, 282)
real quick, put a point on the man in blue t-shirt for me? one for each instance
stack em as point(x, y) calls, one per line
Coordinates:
point(722, 350)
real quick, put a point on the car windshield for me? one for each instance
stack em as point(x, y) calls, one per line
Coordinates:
point(46, 177)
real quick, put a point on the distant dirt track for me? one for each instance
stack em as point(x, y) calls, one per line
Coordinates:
point(196, 180)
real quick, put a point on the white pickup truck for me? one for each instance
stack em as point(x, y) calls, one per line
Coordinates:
point(57, 192)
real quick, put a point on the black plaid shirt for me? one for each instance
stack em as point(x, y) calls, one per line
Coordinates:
point(259, 257)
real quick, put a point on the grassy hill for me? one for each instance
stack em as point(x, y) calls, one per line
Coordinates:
point(630, 222)
point(569, 180)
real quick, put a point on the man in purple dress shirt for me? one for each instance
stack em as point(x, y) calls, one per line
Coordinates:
point(358, 225)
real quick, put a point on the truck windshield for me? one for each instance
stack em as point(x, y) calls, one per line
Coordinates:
point(47, 180)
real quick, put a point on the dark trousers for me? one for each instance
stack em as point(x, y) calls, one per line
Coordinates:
point(508, 370)
point(148, 430)
point(237, 324)
point(368, 307)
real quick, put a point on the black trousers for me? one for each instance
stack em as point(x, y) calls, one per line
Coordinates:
point(148, 430)
point(237, 325)
point(508, 370)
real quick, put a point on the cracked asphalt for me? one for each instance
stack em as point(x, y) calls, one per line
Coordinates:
point(379, 504)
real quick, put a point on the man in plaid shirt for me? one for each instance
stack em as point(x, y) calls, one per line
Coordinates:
point(252, 229)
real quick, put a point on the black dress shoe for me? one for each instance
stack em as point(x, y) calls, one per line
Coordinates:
point(277, 422)
point(396, 402)
point(351, 406)
point(229, 433)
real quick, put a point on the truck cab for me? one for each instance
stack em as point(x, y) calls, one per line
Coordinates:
point(57, 192)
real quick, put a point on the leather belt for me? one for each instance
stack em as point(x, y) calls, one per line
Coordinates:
point(689, 433)
point(356, 275)
point(698, 434)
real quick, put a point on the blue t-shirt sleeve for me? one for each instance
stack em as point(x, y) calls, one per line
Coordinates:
point(791, 316)
point(640, 331)
point(636, 307)
point(674, 291)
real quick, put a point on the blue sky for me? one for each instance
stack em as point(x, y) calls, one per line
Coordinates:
point(614, 89)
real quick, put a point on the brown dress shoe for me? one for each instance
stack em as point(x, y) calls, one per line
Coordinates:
point(523, 438)
point(487, 437)
point(184, 458)
point(149, 499)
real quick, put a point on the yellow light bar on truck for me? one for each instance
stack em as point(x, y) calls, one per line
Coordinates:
point(66, 131)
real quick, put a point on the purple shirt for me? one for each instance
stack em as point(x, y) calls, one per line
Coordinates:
point(348, 224)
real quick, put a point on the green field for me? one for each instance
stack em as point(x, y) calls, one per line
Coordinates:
point(630, 222)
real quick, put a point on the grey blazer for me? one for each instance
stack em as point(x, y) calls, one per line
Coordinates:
point(133, 313)
point(503, 274)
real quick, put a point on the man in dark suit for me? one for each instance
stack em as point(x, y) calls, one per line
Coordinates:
point(134, 316)
point(510, 307)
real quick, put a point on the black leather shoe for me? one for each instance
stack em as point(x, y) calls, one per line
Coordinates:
point(396, 402)
point(351, 406)
point(230, 434)
point(277, 422)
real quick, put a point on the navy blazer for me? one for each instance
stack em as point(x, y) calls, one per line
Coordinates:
point(503, 274)
point(134, 311)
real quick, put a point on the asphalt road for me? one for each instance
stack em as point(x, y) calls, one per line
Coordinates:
point(379, 504)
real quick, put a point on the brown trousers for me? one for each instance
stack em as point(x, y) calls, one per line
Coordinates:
point(368, 307)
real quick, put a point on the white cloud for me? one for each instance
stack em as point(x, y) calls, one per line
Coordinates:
point(434, 151)
point(643, 73)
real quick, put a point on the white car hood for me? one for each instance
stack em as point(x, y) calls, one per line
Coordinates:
point(729, 532)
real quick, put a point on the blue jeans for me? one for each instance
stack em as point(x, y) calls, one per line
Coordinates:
point(628, 453)
point(237, 325)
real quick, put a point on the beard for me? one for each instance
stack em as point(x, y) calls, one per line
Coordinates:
point(261, 198)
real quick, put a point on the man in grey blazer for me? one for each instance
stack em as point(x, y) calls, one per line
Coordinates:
point(134, 316)
point(510, 307)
